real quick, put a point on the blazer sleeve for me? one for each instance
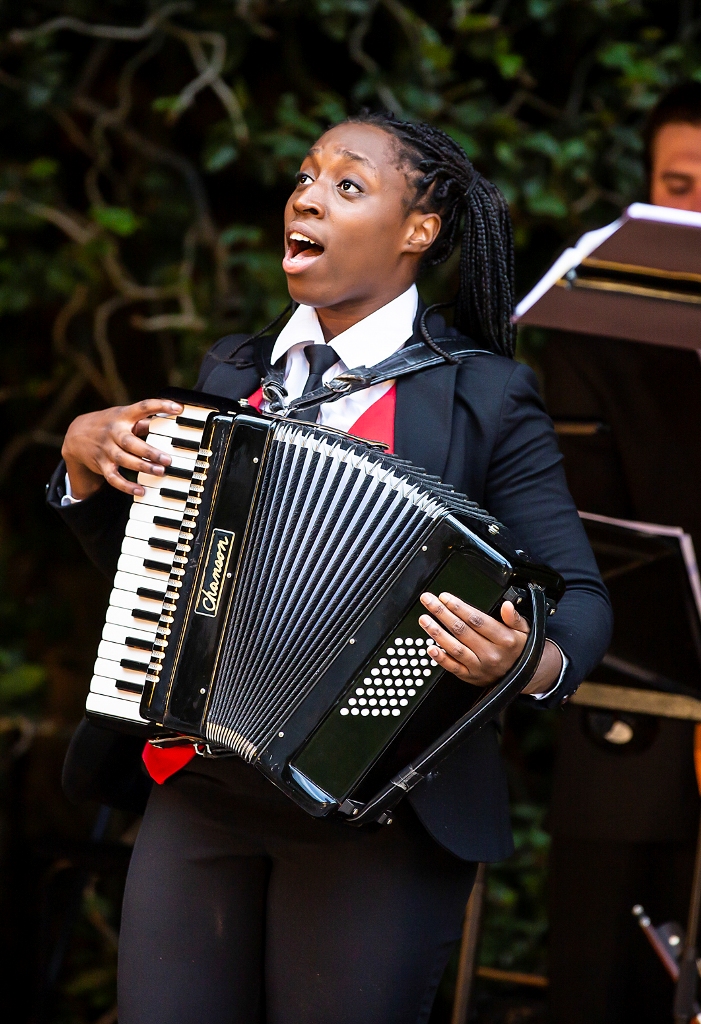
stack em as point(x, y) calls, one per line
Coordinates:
point(527, 491)
point(98, 522)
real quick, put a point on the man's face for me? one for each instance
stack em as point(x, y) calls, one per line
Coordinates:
point(676, 167)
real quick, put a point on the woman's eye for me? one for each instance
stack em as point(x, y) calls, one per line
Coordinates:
point(303, 178)
point(349, 187)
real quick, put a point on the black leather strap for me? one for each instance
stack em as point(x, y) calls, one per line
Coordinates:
point(411, 359)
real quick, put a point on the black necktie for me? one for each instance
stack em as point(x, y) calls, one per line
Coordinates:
point(320, 358)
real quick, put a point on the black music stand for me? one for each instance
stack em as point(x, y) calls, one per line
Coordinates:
point(640, 563)
point(638, 278)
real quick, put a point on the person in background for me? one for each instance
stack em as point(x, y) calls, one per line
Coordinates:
point(624, 819)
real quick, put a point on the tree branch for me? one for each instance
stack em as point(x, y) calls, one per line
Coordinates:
point(64, 400)
point(366, 62)
point(84, 28)
point(209, 74)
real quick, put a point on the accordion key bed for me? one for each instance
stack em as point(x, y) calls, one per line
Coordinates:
point(275, 584)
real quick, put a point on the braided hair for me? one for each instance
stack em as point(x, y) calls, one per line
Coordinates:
point(472, 208)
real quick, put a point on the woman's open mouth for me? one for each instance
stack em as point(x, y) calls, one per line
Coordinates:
point(302, 251)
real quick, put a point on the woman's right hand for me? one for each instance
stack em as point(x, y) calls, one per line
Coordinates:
point(98, 443)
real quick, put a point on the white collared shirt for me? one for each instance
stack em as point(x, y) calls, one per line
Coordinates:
point(366, 343)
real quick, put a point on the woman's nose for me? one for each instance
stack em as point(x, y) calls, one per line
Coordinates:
point(310, 200)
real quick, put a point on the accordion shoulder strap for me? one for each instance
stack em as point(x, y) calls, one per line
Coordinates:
point(410, 359)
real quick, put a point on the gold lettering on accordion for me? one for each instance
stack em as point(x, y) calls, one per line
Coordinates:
point(215, 570)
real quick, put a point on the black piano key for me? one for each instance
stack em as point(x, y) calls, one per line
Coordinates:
point(183, 474)
point(186, 421)
point(190, 446)
point(164, 545)
point(168, 492)
point(135, 666)
point(169, 524)
point(150, 595)
point(129, 687)
point(156, 566)
point(134, 641)
point(138, 613)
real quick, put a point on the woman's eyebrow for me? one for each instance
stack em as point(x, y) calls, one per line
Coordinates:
point(348, 154)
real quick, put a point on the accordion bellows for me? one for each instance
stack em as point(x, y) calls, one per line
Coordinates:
point(288, 632)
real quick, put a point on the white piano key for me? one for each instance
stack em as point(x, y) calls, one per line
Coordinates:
point(113, 670)
point(110, 688)
point(131, 582)
point(169, 425)
point(125, 617)
point(134, 565)
point(145, 531)
point(114, 707)
point(117, 633)
point(154, 497)
point(140, 513)
point(131, 606)
point(191, 412)
point(169, 445)
point(108, 651)
point(168, 479)
point(143, 550)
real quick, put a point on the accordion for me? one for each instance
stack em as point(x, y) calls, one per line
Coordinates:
point(266, 605)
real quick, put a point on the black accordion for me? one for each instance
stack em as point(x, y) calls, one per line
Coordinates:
point(266, 605)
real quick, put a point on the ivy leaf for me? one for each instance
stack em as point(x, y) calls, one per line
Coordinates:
point(117, 219)
point(164, 104)
point(42, 168)
point(219, 156)
point(241, 234)
point(21, 681)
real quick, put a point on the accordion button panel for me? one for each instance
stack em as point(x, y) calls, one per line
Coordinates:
point(147, 555)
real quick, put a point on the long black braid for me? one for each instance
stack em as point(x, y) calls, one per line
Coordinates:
point(470, 207)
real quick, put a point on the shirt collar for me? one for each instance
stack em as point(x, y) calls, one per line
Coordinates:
point(366, 343)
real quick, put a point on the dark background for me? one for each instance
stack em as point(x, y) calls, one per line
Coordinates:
point(142, 179)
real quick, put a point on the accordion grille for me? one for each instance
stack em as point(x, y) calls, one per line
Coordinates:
point(333, 523)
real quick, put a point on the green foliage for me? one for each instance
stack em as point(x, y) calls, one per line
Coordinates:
point(18, 680)
point(516, 921)
point(118, 219)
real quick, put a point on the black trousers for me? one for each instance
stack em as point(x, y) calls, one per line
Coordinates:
point(602, 968)
point(242, 909)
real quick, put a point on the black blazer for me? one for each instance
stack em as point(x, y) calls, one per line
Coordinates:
point(482, 427)
point(644, 465)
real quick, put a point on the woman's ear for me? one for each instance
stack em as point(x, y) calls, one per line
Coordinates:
point(423, 229)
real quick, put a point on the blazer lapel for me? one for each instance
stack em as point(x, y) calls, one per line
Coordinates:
point(230, 381)
point(423, 419)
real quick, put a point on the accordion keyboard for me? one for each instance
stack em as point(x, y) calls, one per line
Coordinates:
point(142, 571)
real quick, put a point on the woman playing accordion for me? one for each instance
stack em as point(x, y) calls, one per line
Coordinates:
point(239, 907)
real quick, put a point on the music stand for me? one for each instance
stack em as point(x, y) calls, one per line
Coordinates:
point(652, 574)
point(638, 278)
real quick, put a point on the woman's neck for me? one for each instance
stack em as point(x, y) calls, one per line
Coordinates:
point(334, 320)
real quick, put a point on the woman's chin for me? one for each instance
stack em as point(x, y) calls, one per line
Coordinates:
point(310, 289)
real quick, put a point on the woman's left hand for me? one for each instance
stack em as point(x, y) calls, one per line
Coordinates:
point(479, 649)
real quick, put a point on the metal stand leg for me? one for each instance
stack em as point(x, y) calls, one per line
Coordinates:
point(685, 995)
point(468, 947)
